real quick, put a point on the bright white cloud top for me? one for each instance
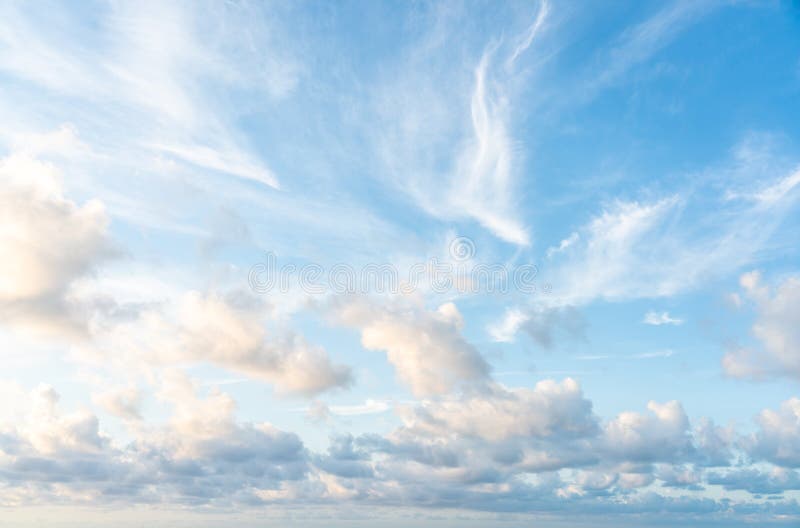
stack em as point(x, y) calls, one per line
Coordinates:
point(375, 264)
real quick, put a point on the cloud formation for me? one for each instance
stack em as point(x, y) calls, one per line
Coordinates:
point(777, 328)
point(48, 242)
point(231, 332)
point(660, 318)
point(426, 348)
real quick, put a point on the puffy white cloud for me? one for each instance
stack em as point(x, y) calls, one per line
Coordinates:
point(49, 432)
point(229, 331)
point(777, 327)
point(663, 435)
point(488, 434)
point(495, 413)
point(204, 429)
point(713, 445)
point(496, 448)
point(777, 437)
point(48, 243)
point(425, 347)
point(53, 455)
point(202, 455)
point(218, 331)
point(520, 449)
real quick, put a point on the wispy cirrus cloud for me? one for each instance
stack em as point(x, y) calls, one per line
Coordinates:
point(478, 179)
point(154, 61)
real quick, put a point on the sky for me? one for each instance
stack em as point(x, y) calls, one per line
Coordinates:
point(400, 264)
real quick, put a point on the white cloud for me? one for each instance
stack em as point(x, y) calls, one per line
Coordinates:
point(230, 332)
point(611, 247)
point(563, 245)
point(506, 329)
point(159, 63)
point(660, 318)
point(497, 413)
point(483, 187)
point(642, 41)
point(370, 406)
point(63, 142)
point(203, 455)
point(662, 435)
point(49, 431)
point(776, 438)
point(656, 354)
point(777, 327)
point(228, 160)
point(534, 29)
point(48, 243)
point(454, 153)
point(475, 446)
point(646, 250)
point(425, 347)
point(773, 192)
point(473, 450)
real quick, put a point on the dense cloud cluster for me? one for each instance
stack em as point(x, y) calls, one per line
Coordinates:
point(489, 448)
point(201, 456)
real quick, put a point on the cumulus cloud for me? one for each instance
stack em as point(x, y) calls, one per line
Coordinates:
point(48, 243)
point(776, 439)
point(661, 435)
point(483, 439)
point(202, 455)
point(205, 427)
point(485, 436)
point(231, 332)
point(777, 328)
point(217, 331)
point(48, 431)
point(54, 454)
point(497, 413)
point(425, 347)
point(491, 448)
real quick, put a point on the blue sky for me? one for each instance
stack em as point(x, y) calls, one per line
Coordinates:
point(631, 170)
